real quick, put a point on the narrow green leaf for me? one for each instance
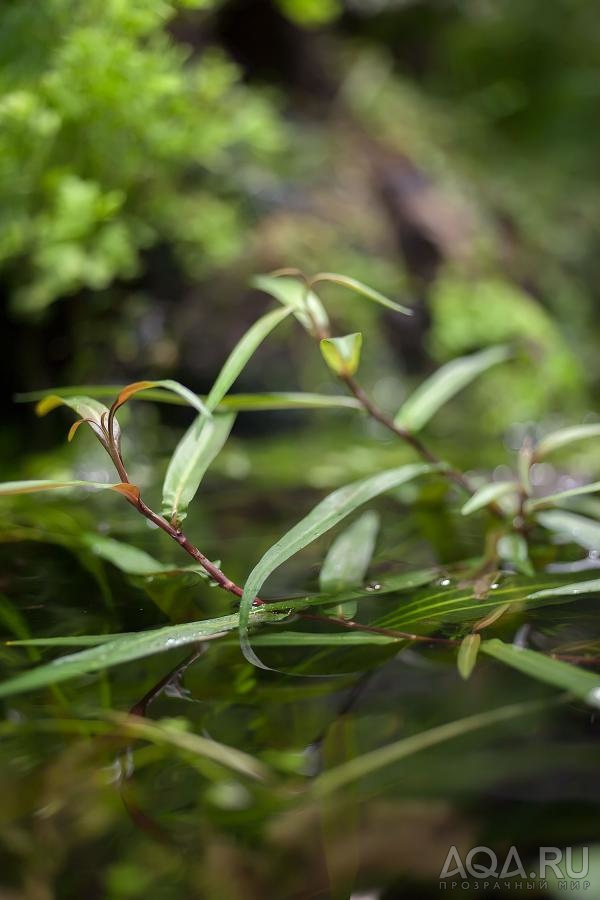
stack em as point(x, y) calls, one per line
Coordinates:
point(583, 684)
point(450, 603)
point(363, 289)
point(573, 527)
point(314, 639)
point(33, 487)
point(128, 559)
point(512, 548)
point(242, 352)
point(81, 640)
point(557, 499)
point(348, 560)
point(88, 409)
point(130, 390)
point(393, 584)
point(488, 493)
point(430, 396)
point(126, 648)
point(467, 655)
point(322, 518)
point(231, 403)
point(295, 294)
point(199, 446)
point(565, 436)
point(164, 733)
point(568, 590)
point(362, 766)
point(342, 354)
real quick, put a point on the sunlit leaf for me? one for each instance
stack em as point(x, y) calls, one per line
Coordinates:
point(467, 655)
point(363, 289)
point(557, 499)
point(362, 766)
point(295, 294)
point(342, 354)
point(488, 493)
point(231, 403)
point(242, 352)
point(565, 436)
point(583, 684)
point(348, 559)
point(199, 446)
point(322, 518)
point(125, 648)
point(451, 378)
point(573, 527)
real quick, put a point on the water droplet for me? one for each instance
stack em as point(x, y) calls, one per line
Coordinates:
point(373, 586)
point(593, 697)
point(171, 642)
point(444, 582)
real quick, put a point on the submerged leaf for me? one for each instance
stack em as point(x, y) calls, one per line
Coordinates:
point(583, 684)
point(569, 590)
point(125, 648)
point(348, 560)
point(322, 518)
point(362, 766)
point(467, 655)
point(430, 396)
point(199, 446)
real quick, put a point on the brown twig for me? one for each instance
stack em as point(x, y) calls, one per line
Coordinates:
point(452, 474)
point(173, 531)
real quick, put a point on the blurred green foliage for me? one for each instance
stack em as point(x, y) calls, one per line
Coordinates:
point(114, 138)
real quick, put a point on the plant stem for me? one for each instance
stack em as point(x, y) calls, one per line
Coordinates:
point(175, 533)
point(454, 475)
point(373, 629)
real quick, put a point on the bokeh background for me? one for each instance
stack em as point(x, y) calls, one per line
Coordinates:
point(154, 156)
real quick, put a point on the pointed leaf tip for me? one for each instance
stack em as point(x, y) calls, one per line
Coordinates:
point(130, 491)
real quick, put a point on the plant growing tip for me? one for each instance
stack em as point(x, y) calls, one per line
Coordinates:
point(342, 354)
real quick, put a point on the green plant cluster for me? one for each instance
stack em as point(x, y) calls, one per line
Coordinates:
point(114, 139)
